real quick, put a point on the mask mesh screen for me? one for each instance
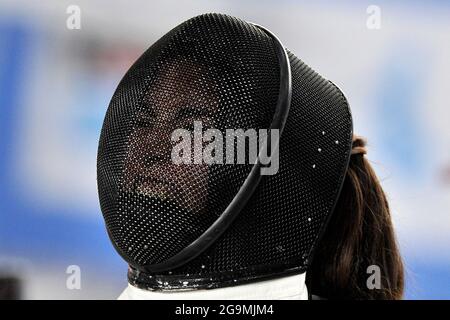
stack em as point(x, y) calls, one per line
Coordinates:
point(213, 70)
point(224, 73)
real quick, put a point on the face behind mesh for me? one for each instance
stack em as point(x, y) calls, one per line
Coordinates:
point(224, 73)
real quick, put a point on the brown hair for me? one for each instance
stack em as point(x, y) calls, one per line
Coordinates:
point(359, 234)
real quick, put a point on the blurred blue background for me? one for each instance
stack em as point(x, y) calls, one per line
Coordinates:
point(56, 83)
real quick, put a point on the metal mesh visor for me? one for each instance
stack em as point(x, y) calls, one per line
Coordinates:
point(223, 73)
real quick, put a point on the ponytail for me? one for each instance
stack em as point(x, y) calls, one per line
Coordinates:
point(359, 234)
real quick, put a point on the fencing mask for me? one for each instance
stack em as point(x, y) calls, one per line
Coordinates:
point(221, 158)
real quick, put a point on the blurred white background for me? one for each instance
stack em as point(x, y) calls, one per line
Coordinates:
point(56, 83)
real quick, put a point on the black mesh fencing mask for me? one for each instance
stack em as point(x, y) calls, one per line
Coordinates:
point(221, 158)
